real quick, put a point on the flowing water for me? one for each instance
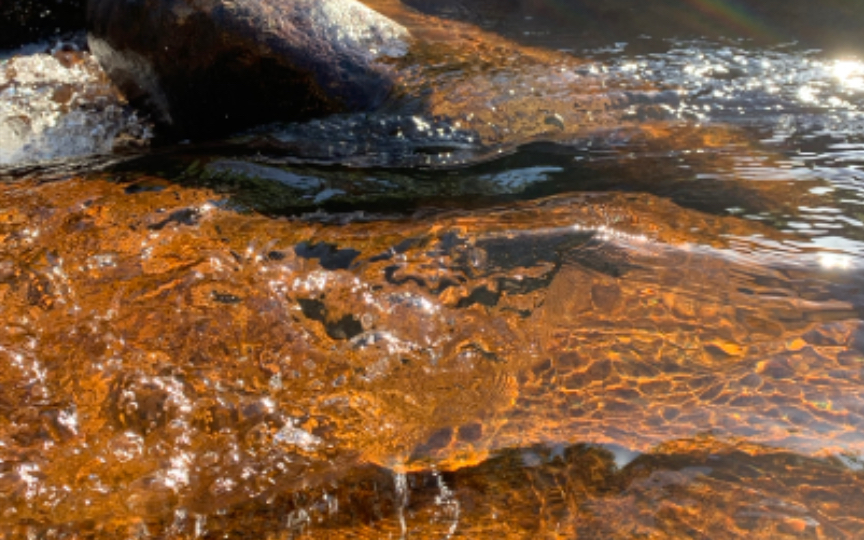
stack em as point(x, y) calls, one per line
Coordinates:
point(610, 292)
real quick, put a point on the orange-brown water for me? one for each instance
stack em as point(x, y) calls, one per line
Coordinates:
point(598, 365)
point(646, 323)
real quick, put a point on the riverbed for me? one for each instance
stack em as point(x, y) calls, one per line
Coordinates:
point(623, 299)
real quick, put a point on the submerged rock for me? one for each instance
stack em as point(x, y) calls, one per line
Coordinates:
point(173, 362)
point(215, 66)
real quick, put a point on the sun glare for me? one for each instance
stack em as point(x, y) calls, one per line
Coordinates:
point(835, 261)
point(850, 73)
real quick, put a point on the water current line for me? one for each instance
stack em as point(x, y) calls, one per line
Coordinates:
point(200, 525)
point(400, 482)
point(448, 502)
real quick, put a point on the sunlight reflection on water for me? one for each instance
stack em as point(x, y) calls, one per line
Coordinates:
point(612, 331)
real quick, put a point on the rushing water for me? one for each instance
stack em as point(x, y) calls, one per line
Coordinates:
point(639, 315)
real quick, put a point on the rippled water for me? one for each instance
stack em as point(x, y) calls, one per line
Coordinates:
point(637, 311)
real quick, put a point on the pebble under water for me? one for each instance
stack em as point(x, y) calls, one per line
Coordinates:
point(623, 298)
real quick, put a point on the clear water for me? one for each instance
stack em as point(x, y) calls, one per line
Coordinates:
point(621, 298)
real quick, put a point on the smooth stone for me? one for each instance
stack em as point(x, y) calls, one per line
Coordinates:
point(214, 66)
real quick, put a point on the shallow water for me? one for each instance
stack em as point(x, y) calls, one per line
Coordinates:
point(639, 316)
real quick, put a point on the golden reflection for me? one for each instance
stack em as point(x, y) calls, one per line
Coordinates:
point(167, 366)
point(595, 365)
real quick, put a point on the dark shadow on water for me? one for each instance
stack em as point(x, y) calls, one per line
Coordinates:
point(27, 21)
point(705, 181)
point(834, 25)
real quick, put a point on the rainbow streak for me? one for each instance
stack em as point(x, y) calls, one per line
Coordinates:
point(733, 15)
point(736, 17)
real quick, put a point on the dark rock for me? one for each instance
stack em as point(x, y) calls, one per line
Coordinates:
point(28, 21)
point(210, 67)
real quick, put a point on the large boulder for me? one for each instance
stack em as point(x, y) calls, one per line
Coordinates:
point(211, 66)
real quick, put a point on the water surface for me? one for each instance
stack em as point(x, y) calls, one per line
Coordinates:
point(636, 313)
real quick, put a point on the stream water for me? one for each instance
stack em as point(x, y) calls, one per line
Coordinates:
point(636, 312)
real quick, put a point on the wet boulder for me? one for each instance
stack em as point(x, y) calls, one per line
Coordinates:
point(210, 67)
